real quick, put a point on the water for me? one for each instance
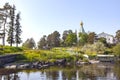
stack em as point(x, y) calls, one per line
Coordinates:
point(86, 72)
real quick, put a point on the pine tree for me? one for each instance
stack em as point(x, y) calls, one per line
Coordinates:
point(29, 43)
point(18, 30)
point(10, 38)
point(42, 44)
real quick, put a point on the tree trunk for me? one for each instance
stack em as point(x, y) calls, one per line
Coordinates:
point(16, 44)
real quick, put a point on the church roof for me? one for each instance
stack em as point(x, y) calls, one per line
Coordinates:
point(82, 29)
point(104, 35)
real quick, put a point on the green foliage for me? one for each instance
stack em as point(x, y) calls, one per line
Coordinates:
point(31, 56)
point(42, 44)
point(99, 47)
point(9, 49)
point(29, 44)
point(21, 57)
point(18, 30)
point(103, 40)
point(88, 49)
point(53, 39)
point(9, 24)
point(108, 51)
point(83, 38)
point(71, 39)
point(92, 56)
point(95, 48)
point(47, 55)
point(64, 36)
point(91, 37)
point(85, 59)
point(116, 50)
point(10, 38)
point(118, 35)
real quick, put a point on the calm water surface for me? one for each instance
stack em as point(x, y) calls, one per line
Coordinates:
point(87, 72)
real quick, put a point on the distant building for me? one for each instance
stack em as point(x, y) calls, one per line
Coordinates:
point(109, 38)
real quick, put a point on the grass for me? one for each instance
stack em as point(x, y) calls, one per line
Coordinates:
point(49, 55)
point(71, 54)
point(9, 49)
point(46, 55)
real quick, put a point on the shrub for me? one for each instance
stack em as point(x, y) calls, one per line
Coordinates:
point(47, 55)
point(93, 56)
point(85, 60)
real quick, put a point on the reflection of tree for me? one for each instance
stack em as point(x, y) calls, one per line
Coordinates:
point(69, 74)
point(13, 76)
point(16, 77)
point(91, 72)
point(117, 70)
point(9, 74)
point(0, 77)
point(86, 72)
point(52, 75)
point(48, 74)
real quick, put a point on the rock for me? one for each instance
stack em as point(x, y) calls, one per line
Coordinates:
point(10, 66)
point(23, 66)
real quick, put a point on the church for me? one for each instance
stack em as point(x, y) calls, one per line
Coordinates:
point(110, 39)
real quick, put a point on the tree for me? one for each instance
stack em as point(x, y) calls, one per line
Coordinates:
point(91, 38)
point(42, 44)
point(118, 35)
point(103, 40)
point(10, 38)
point(71, 39)
point(49, 41)
point(116, 50)
point(64, 36)
point(83, 38)
point(56, 39)
point(6, 9)
point(29, 43)
point(8, 16)
point(53, 40)
point(18, 30)
point(26, 43)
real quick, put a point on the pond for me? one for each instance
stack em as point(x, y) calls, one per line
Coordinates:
point(85, 72)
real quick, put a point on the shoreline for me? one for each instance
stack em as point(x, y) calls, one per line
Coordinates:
point(43, 65)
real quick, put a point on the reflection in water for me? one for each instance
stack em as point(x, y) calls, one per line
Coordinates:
point(13, 76)
point(88, 72)
point(116, 70)
point(9, 74)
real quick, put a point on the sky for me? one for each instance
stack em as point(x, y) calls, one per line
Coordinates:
point(42, 17)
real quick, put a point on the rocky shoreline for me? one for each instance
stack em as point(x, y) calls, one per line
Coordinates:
point(34, 65)
point(42, 64)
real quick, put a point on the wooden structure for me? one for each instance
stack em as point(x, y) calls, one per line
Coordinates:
point(106, 58)
point(4, 59)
